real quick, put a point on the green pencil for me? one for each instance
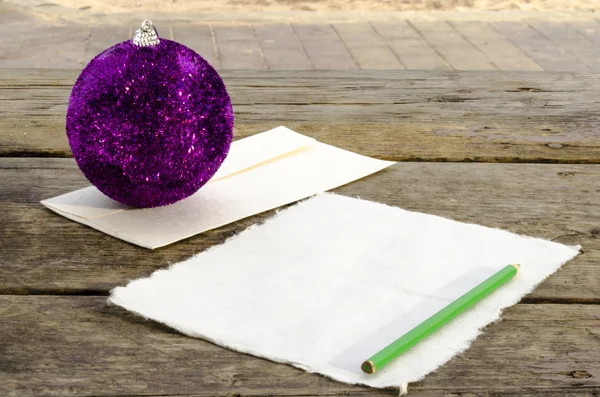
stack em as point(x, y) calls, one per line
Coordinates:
point(433, 323)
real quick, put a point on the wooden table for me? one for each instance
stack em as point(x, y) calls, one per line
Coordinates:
point(518, 151)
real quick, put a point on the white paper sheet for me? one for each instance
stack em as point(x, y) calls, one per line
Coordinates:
point(260, 173)
point(325, 284)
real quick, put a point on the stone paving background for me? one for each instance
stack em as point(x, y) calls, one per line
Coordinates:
point(443, 41)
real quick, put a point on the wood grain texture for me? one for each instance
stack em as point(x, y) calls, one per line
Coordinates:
point(78, 346)
point(548, 345)
point(42, 252)
point(396, 115)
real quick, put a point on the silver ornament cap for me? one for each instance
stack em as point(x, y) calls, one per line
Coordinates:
point(145, 36)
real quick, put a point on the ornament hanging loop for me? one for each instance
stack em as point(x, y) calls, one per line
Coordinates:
point(145, 36)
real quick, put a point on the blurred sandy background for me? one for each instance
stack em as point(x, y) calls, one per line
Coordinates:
point(178, 6)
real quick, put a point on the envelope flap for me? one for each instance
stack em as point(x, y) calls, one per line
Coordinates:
point(260, 148)
point(246, 153)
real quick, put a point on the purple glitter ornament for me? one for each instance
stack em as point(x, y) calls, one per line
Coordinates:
point(149, 121)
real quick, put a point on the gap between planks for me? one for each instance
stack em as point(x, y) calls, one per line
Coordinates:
point(100, 294)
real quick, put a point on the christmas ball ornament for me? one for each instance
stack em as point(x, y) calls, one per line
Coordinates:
point(149, 121)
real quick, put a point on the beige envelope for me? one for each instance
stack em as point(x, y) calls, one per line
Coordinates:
point(260, 173)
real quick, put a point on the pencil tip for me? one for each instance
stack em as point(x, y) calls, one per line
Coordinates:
point(368, 367)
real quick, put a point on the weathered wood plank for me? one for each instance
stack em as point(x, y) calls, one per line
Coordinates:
point(456, 50)
point(59, 346)
point(485, 141)
point(41, 252)
point(407, 115)
point(429, 78)
point(542, 350)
